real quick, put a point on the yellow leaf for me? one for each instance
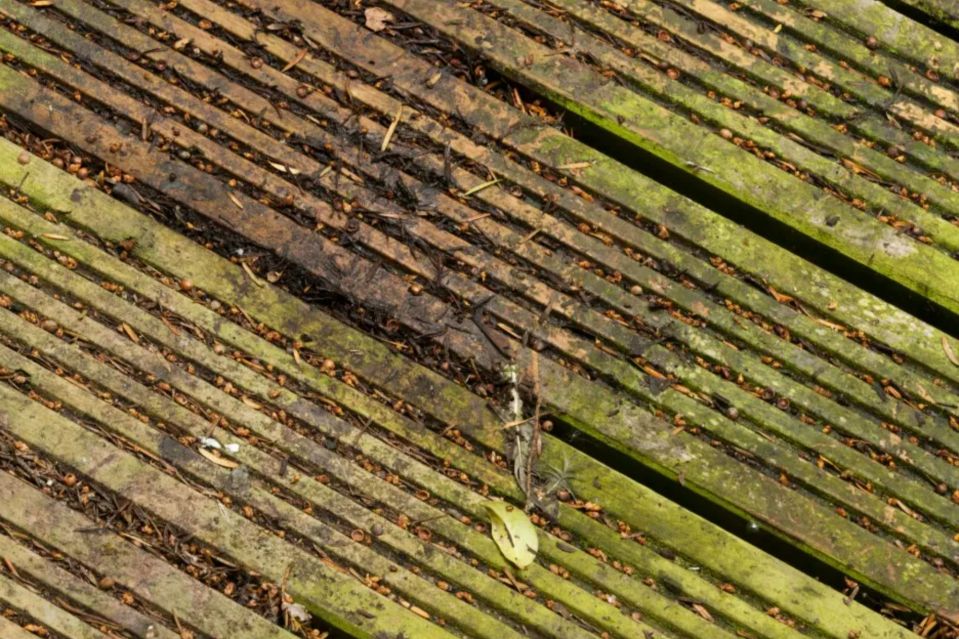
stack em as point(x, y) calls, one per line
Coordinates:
point(513, 532)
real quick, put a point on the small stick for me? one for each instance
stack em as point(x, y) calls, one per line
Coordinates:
point(295, 61)
point(480, 187)
point(390, 131)
point(535, 442)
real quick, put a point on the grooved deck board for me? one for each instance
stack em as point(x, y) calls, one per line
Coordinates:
point(458, 229)
point(169, 252)
point(701, 150)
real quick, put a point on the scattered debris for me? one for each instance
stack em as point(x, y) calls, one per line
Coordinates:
point(236, 201)
point(296, 612)
point(249, 272)
point(573, 166)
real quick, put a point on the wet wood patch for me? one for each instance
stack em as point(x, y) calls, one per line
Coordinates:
point(319, 287)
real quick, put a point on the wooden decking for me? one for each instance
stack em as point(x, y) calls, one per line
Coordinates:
point(274, 276)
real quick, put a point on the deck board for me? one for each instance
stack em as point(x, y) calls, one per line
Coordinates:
point(52, 578)
point(649, 124)
point(481, 235)
point(785, 580)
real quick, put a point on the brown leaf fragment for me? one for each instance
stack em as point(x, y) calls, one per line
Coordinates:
point(779, 297)
point(129, 331)
point(702, 612)
point(377, 19)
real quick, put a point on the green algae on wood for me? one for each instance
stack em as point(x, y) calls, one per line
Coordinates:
point(237, 280)
point(898, 33)
point(631, 189)
point(338, 599)
point(814, 131)
point(510, 602)
point(627, 266)
point(942, 10)
point(674, 140)
point(185, 259)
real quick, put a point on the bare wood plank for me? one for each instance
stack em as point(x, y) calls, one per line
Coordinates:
point(550, 225)
point(45, 612)
point(849, 54)
point(75, 589)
